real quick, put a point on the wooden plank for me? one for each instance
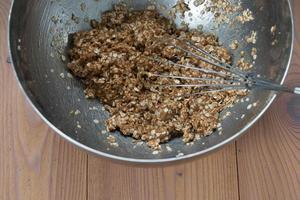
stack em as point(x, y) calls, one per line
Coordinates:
point(269, 154)
point(211, 177)
point(34, 162)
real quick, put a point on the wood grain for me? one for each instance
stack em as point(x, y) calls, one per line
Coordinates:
point(34, 162)
point(37, 164)
point(213, 177)
point(269, 154)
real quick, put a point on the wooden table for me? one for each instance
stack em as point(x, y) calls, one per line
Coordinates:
point(35, 163)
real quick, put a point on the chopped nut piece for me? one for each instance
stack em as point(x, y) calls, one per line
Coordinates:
point(249, 106)
point(252, 37)
point(234, 45)
point(244, 64)
point(111, 139)
point(69, 75)
point(179, 155)
point(168, 148)
point(246, 16)
point(242, 53)
point(274, 42)
point(182, 7)
point(254, 53)
point(77, 112)
point(273, 30)
point(151, 7)
point(155, 152)
point(63, 58)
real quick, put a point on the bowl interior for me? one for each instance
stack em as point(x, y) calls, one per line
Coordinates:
point(39, 32)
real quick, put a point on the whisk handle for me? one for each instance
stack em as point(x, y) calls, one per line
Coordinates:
point(297, 90)
point(267, 85)
point(284, 88)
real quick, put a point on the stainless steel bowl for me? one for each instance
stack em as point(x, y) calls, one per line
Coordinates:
point(40, 28)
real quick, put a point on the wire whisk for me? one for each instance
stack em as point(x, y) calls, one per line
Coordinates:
point(231, 77)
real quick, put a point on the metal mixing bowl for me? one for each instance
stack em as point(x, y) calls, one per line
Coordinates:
point(38, 29)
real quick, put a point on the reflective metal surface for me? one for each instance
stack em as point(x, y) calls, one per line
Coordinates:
point(39, 31)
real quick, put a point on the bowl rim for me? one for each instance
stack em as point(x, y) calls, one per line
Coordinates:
point(33, 104)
